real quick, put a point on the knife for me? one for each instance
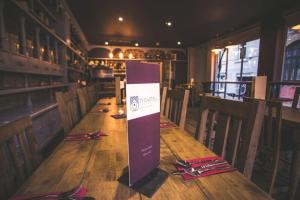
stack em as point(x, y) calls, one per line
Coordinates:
point(199, 172)
point(188, 164)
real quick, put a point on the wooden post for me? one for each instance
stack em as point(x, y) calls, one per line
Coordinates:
point(184, 109)
point(37, 43)
point(63, 54)
point(48, 47)
point(23, 36)
point(118, 90)
point(56, 51)
point(163, 100)
point(3, 36)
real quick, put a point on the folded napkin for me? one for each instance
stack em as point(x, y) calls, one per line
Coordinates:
point(119, 116)
point(80, 193)
point(167, 125)
point(201, 167)
point(84, 136)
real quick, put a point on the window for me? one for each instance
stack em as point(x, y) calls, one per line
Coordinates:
point(238, 63)
point(291, 68)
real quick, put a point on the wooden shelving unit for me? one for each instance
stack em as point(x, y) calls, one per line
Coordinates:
point(40, 54)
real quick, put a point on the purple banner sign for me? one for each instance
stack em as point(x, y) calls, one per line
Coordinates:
point(143, 115)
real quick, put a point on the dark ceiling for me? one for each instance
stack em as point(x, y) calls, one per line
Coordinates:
point(193, 21)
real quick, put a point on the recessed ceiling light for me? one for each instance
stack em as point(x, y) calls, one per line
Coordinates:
point(120, 19)
point(157, 44)
point(106, 43)
point(168, 23)
point(179, 43)
point(136, 44)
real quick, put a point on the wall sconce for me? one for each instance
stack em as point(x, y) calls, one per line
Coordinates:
point(216, 51)
point(110, 55)
point(230, 46)
point(121, 55)
point(130, 56)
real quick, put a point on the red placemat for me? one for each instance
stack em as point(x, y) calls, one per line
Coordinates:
point(167, 125)
point(209, 166)
point(51, 196)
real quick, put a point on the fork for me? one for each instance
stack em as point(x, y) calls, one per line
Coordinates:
point(199, 172)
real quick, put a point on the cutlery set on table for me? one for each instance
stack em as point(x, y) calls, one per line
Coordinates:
point(200, 167)
point(85, 136)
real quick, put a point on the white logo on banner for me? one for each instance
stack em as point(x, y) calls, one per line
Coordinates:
point(143, 100)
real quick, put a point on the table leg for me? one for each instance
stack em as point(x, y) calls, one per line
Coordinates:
point(295, 168)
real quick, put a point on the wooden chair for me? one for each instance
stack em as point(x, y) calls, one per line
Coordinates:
point(297, 193)
point(176, 106)
point(163, 99)
point(82, 101)
point(270, 143)
point(236, 127)
point(91, 95)
point(86, 97)
point(68, 109)
point(296, 97)
point(18, 155)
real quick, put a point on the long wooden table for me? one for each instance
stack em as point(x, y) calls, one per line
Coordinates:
point(99, 163)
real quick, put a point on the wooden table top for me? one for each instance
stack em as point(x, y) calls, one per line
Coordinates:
point(99, 163)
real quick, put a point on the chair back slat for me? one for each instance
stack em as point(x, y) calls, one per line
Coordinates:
point(82, 101)
point(222, 128)
point(68, 109)
point(163, 95)
point(92, 94)
point(270, 141)
point(296, 98)
point(18, 154)
point(86, 97)
point(231, 129)
point(233, 140)
point(176, 106)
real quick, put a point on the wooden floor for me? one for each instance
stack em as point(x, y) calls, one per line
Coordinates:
point(97, 165)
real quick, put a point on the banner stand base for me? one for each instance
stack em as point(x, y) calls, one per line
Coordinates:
point(147, 185)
